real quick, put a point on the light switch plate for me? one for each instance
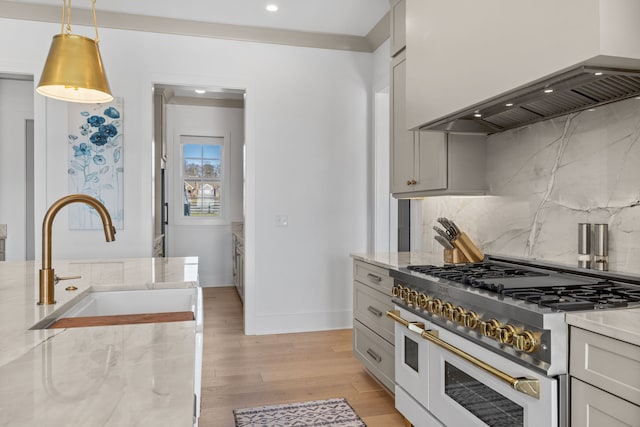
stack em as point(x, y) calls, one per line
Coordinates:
point(282, 220)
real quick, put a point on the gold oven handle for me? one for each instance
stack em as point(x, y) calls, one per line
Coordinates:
point(528, 386)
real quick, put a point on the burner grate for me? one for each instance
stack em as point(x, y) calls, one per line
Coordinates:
point(556, 291)
point(579, 297)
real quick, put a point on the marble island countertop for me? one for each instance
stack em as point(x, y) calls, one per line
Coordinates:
point(141, 375)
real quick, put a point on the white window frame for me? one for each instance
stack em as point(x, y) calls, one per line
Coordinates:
point(175, 186)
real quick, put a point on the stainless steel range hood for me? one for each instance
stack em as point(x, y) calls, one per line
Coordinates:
point(575, 90)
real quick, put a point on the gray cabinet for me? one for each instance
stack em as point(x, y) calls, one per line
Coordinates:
point(372, 331)
point(605, 380)
point(430, 163)
point(398, 26)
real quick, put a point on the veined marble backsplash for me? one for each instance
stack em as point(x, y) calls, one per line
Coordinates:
point(546, 178)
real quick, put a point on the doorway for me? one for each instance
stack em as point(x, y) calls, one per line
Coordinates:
point(16, 164)
point(198, 175)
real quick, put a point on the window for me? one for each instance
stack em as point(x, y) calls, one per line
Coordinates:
point(202, 176)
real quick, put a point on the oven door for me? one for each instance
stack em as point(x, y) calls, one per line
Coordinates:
point(411, 359)
point(412, 371)
point(463, 393)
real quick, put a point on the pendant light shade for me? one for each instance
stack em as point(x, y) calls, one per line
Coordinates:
point(74, 71)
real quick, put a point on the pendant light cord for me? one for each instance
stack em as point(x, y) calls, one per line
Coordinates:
point(66, 13)
point(95, 20)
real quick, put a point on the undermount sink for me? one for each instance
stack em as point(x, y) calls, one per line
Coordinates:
point(99, 308)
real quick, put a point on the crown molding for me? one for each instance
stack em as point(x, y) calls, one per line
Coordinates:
point(123, 21)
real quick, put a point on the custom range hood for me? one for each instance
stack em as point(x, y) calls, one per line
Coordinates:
point(575, 90)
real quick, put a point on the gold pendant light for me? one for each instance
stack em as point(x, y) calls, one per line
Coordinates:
point(73, 71)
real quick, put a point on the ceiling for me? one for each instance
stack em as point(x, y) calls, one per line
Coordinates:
point(351, 17)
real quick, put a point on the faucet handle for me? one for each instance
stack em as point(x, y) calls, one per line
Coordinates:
point(57, 278)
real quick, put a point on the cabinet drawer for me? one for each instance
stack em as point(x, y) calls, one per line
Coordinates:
point(606, 363)
point(375, 353)
point(592, 407)
point(370, 308)
point(372, 275)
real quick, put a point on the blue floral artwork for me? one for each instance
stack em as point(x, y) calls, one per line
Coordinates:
point(95, 163)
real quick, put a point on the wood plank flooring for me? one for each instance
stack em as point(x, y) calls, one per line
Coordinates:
point(244, 371)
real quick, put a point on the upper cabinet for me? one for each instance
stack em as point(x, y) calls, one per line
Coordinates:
point(462, 53)
point(429, 163)
point(398, 28)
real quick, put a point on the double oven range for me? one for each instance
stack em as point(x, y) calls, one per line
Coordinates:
point(487, 343)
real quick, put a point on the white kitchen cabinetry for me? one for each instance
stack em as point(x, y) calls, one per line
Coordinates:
point(398, 28)
point(605, 380)
point(464, 52)
point(373, 335)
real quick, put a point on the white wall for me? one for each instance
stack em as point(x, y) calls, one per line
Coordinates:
point(16, 106)
point(307, 129)
point(210, 242)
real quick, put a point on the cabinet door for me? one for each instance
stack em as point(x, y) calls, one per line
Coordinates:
point(398, 26)
point(592, 407)
point(430, 161)
point(402, 144)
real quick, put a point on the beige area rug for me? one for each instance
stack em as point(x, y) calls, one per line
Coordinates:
point(331, 413)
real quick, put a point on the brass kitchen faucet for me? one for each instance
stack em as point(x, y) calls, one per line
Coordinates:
point(47, 276)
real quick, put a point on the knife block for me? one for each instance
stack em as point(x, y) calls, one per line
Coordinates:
point(469, 250)
point(454, 256)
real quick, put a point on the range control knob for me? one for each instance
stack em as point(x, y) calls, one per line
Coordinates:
point(422, 301)
point(447, 311)
point(506, 333)
point(471, 319)
point(526, 341)
point(435, 306)
point(396, 291)
point(490, 327)
point(459, 314)
point(411, 297)
point(404, 293)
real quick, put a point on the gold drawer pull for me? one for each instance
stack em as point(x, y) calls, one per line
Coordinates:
point(528, 386)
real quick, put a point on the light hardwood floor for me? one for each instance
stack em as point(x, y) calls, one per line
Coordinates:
point(245, 371)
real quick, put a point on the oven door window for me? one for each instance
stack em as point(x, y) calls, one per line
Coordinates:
point(411, 354)
point(483, 402)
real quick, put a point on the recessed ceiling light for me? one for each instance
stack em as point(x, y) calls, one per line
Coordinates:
point(548, 90)
point(599, 73)
point(200, 91)
point(509, 104)
point(272, 7)
point(477, 115)
point(591, 109)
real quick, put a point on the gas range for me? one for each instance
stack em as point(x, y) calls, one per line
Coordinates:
point(513, 307)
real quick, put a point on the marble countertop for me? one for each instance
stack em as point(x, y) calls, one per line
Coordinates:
point(395, 260)
point(623, 325)
point(140, 375)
